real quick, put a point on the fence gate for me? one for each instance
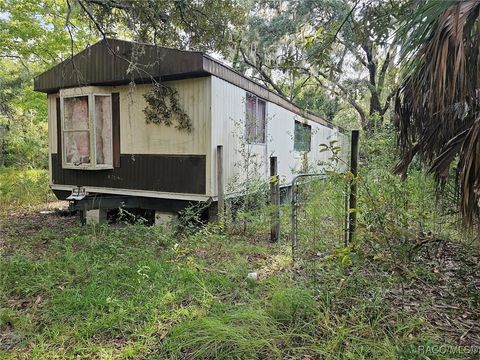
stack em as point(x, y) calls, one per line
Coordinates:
point(319, 216)
point(323, 212)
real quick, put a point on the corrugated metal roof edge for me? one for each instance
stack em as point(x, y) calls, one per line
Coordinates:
point(279, 98)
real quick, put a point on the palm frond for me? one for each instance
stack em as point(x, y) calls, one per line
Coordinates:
point(437, 106)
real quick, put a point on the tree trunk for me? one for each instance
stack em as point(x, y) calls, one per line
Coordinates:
point(375, 105)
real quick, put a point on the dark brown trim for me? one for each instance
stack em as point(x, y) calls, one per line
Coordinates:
point(59, 130)
point(62, 194)
point(165, 173)
point(106, 201)
point(116, 129)
point(107, 63)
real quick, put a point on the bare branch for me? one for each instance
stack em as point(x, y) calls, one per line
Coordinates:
point(388, 101)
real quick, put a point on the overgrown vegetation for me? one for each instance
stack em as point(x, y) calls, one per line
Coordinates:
point(23, 187)
point(437, 104)
point(407, 284)
point(131, 291)
point(135, 292)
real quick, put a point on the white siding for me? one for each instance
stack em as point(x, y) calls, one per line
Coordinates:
point(228, 129)
point(281, 127)
point(52, 123)
point(138, 137)
point(344, 141)
point(217, 110)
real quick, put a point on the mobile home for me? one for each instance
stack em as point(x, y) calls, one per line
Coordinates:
point(104, 152)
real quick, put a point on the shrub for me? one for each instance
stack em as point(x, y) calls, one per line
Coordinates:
point(25, 143)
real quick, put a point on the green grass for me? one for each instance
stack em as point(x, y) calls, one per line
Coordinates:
point(238, 333)
point(23, 187)
point(135, 292)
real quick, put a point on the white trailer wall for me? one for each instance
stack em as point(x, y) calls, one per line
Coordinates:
point(228, 129)
point(217, 109)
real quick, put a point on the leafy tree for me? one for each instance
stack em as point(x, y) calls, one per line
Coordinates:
point(34, 35)
point(184, 24)
point(344, 47)
point(437, 105)
point(40, 33)
point(37, 34)
point(316, 100)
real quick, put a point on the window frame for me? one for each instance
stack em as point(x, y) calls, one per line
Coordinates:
point(263, 138)
point(304, 126)
point(92, 132)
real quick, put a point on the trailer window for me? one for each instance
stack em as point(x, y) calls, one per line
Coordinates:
point(76, 131)
point(87, 131)
point(255, 119)
point(103, 129)
point(302, 137)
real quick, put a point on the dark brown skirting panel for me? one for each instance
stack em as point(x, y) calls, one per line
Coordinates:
point(166, 173)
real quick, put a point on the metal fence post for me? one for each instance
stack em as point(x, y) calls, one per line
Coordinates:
point(346, 215)
point(220, 188)
point(274, 200)
point(352, 208)
point(294, 220)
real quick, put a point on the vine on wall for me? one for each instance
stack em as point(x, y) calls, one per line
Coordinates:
point(164, 108)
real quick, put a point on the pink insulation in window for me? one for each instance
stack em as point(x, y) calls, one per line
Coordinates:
point(77, 134)
point(103, 129)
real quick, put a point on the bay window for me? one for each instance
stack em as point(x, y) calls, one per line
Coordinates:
point(87, 131)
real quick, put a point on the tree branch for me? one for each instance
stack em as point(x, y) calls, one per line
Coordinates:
point(344, 95)
point(112, 4)
point(264, 75)
point(388, 101)
point(389, 58)
point(91, 17)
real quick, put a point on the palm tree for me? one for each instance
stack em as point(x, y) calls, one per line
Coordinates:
point(437, 106)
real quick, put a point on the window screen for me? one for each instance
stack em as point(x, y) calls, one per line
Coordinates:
point(302, 137)
point(255, 113)
point(103, 127)
point(76, 130)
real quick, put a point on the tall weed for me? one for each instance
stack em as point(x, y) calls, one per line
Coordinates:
point(24, 187)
